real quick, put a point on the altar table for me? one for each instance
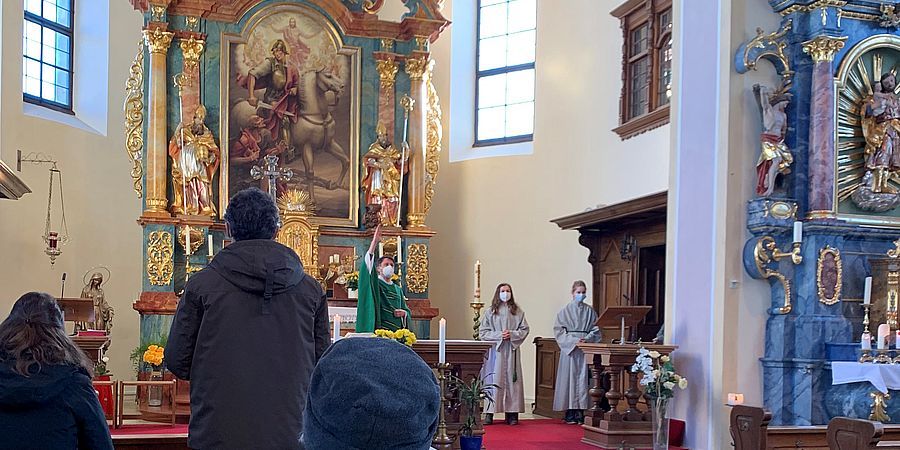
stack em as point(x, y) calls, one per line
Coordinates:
point(883, 377)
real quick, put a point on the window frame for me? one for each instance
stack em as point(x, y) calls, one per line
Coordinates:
point(632, 15)
point(497, 71)
point(68, 31)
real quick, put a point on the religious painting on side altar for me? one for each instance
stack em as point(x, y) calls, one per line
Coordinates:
point(868, 132)
point(292, 89)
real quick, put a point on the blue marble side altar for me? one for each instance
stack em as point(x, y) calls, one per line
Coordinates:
point(830, 57)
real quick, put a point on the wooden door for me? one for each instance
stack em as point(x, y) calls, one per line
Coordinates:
point(652, 289)
point(614, 274)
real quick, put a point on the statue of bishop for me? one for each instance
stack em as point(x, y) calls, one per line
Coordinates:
point(383, 179)
point(195, 159)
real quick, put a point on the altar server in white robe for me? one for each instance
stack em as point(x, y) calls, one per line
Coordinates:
point(575, 323)
point(504, 323)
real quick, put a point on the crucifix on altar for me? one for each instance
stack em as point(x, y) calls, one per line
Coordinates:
point(273, 173)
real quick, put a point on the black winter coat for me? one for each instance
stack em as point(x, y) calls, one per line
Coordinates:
point(247, 333)
point(57, 408)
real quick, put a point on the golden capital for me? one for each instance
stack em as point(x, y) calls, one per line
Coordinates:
point(191, 49)
point(387, 71)
point(823, 48)
point(157, 12)
point(158, 40)
point(415, 220)
point(387, 45)
point(416, 67)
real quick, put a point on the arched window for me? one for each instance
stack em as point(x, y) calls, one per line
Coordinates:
point(47, 53)
point(504, 79)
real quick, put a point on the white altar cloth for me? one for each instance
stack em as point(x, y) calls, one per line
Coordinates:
point(882, 376)
point(348, 315)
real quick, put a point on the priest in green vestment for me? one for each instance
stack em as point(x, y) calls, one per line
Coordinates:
point(381, 305)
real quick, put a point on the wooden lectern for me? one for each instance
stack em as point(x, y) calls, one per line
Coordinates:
point(82, 310)
point(623, 316)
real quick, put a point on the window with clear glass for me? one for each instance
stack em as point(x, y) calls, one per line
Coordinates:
point(504, 80)
point(647, 65)
point(47, 53)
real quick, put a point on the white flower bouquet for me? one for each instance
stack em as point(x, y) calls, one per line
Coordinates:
point(659, 378)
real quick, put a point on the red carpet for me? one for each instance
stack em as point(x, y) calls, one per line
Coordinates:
point(534, 434)
point(131, 430)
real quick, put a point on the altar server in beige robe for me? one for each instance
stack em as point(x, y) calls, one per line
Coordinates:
point(504, 324)
point(575, 323)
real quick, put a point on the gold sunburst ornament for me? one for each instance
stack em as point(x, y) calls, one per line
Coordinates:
point(296, 200)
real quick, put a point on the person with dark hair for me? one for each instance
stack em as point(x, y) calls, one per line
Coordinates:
point(504, 324)
point(247, 333)
point(381, 305)
point(46, 396)
point(357, 401)
point(575, 324)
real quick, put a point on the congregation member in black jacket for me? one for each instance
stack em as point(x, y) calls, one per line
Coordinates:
point(247, 333)
point(46, 397)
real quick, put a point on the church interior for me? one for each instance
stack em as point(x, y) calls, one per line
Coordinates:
point(728, 193)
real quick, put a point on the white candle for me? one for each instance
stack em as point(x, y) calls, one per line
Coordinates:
point(735, 399)
point(867, 296)
point(209, 244)
point(884, 330)
point(798, 231)
point(478, 279)
point(336, 333)
point(399, 250)
point(187, 240)
point(442, 341)
point(897, 340)
point(866, 341)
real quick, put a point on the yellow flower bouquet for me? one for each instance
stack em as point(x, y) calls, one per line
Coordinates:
point(154, 356)
point(402, 336)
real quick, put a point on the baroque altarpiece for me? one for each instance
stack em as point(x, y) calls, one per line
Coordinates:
point(829, 159)
point(327, 87)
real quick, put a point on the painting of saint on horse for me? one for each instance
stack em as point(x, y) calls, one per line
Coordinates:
point(292, 92)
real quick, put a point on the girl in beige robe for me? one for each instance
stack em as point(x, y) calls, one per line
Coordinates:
point(505, 325)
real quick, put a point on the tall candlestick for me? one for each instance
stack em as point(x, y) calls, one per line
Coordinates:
point(209, 245)
point(867, 295)
point(442, 341)
point(798, 232)
point(336, 333)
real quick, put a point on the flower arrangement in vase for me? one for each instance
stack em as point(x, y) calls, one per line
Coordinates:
point(403, 336)
point(154, 357)
point(659, 381)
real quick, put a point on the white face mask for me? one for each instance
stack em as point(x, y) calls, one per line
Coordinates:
point(579, 297)
point(504, 296)
point(387, 272)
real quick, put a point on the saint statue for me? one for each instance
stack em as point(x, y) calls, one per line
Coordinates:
point(280, 104)
point(195, 159)
point(383, 178)
point(881, 128)
point(774, 157)
point(103, 313)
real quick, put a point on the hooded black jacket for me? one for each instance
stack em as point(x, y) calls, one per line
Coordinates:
point(55, 408)
point(247, 333)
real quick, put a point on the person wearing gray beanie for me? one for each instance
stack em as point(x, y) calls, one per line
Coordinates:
point(371, 394)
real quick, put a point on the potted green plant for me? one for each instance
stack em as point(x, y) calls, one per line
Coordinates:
point(471, 395)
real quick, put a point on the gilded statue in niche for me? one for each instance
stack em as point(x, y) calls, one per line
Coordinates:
point(774, 158)
point(195, 160)
point(383, 163)
point(292, 91)
point(881, 128)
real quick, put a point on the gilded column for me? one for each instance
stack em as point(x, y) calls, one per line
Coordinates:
point(821, 129)
point(157, 41)
point(417, 67)
point(386, 64)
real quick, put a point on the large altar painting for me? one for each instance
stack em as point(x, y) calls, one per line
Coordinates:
point(292, 90)
point(868, 134)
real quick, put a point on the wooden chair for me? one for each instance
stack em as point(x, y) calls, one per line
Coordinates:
point(114, 414)
point(853, 434)
point(167, 410)
point(748, 427)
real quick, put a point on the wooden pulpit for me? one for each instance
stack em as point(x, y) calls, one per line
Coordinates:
point(623, 317)
point(82, 310)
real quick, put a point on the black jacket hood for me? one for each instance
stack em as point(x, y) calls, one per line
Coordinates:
point(250, 264)
point(40, 388)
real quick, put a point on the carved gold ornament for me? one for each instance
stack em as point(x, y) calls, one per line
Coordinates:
point(196, 238)
point(156, 13)
point(296, 200)
point(773, 46)
point(780, 210)
point(415, 220)
point(879, 407)
point(417, 270)
point(387, 72)
point(160, 265)
point(134, 120)
point(434, 133)
point(191, 49)
point(416, 68)
point(192, 22)
point(834, 255)
point(823, 48)
point(814, 6)
point(387, 45)
point(158, 40)
point(765, 252)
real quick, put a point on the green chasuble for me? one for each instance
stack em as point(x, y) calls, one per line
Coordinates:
point(377, 302)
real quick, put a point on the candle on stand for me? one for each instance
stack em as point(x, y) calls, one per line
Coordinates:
point(735, 399)
point(884, 331)
point(897, 340)
point(478, 279)
point(866, 341)
point(187, 240)
point(209, 244)
point(336, 333)
point(442, 341)
point(399, 250)
point(798, 232)
point(867, 295)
